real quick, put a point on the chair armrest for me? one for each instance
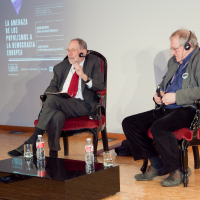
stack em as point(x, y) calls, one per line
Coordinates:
point(43, 97)
point(100, 96)
point(197, 103)
point(101, 93)
point(196, 121)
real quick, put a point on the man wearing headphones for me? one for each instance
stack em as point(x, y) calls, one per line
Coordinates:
point(180, 87)
point(79, 75)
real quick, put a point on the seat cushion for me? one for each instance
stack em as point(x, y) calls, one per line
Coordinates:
point(179, 134)
point(80, 123)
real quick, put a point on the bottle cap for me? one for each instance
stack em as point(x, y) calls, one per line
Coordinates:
point(88, 139)
point(39, 136)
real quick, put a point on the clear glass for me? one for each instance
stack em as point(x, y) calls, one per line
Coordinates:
point(28, 163)
point(107, 159)
point(28, 150)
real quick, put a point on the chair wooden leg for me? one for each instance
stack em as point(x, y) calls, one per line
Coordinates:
point(104, 139)
point(196, 156)
point(184, 148)
point(66, 146)
point(144, 166)
point(95, 141)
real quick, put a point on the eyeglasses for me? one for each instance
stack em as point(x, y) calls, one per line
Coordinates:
point(175, 49)
point(71, 49)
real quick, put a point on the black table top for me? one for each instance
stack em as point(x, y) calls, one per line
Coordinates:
point(55, 168)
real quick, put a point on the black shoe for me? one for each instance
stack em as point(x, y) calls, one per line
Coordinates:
point(17, 152)
point(53, 154)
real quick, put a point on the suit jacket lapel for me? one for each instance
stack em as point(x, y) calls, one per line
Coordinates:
point(170, 74)
point(85, 70)
point(67, 67)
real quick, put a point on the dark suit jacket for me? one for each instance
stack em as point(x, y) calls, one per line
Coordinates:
point(91, 67)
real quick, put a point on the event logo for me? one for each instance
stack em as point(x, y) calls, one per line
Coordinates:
point(13, 68)
point(17, 5)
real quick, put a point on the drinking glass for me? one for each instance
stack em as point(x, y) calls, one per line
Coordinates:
point(107, 158)
point(28, 150)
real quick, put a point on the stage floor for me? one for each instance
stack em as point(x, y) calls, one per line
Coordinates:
point(129, 187)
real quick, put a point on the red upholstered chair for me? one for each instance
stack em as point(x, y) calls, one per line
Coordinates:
point(186, 137)
point(92, 124)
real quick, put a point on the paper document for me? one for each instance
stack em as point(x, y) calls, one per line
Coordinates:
point(63, 94)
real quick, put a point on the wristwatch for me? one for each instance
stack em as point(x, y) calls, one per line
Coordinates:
point(88, 80)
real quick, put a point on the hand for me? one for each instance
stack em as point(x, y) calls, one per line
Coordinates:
point(161, 93)
point(79, 71)
point(169, 98)
point(157, 99)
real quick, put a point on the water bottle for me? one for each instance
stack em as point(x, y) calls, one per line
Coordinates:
point(89, 156)
point(40, 148)
point(41, 167)
point(89, 168)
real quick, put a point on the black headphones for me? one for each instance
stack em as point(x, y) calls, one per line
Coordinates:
point(81, 55)
point(187, 46)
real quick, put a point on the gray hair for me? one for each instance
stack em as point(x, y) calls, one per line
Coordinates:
point(183, 37)
point(82, 43)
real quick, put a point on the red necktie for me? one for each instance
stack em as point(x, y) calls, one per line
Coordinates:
point(73, 87)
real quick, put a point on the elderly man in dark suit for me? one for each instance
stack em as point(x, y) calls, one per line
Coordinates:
point(80, 77)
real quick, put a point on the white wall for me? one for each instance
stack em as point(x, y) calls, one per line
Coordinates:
point(133, 36)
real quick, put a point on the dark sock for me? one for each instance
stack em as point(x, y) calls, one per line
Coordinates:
point(181, 169)
point(33, 138)
point(53, 153)
point(156, 163)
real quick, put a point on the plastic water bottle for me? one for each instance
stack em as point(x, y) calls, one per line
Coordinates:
point(89, 156)
point(41, 167)
point(89, 168)
point(40, 148)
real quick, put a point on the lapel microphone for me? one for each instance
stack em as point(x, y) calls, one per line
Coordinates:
point(81, 55)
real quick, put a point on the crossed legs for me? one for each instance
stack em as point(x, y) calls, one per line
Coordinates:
point(55, 111)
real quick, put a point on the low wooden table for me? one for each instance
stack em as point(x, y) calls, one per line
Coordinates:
point(62, 179)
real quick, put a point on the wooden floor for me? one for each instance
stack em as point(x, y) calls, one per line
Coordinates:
point(130, 188)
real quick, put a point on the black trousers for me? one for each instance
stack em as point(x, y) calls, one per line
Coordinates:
point(56, 110)
point(161, 125)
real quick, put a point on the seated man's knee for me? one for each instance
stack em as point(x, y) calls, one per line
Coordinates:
point(51, 102)
point(57, 120)
point(155, 128)
point(128, 121)
point(59, 116)
point(125, 122)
